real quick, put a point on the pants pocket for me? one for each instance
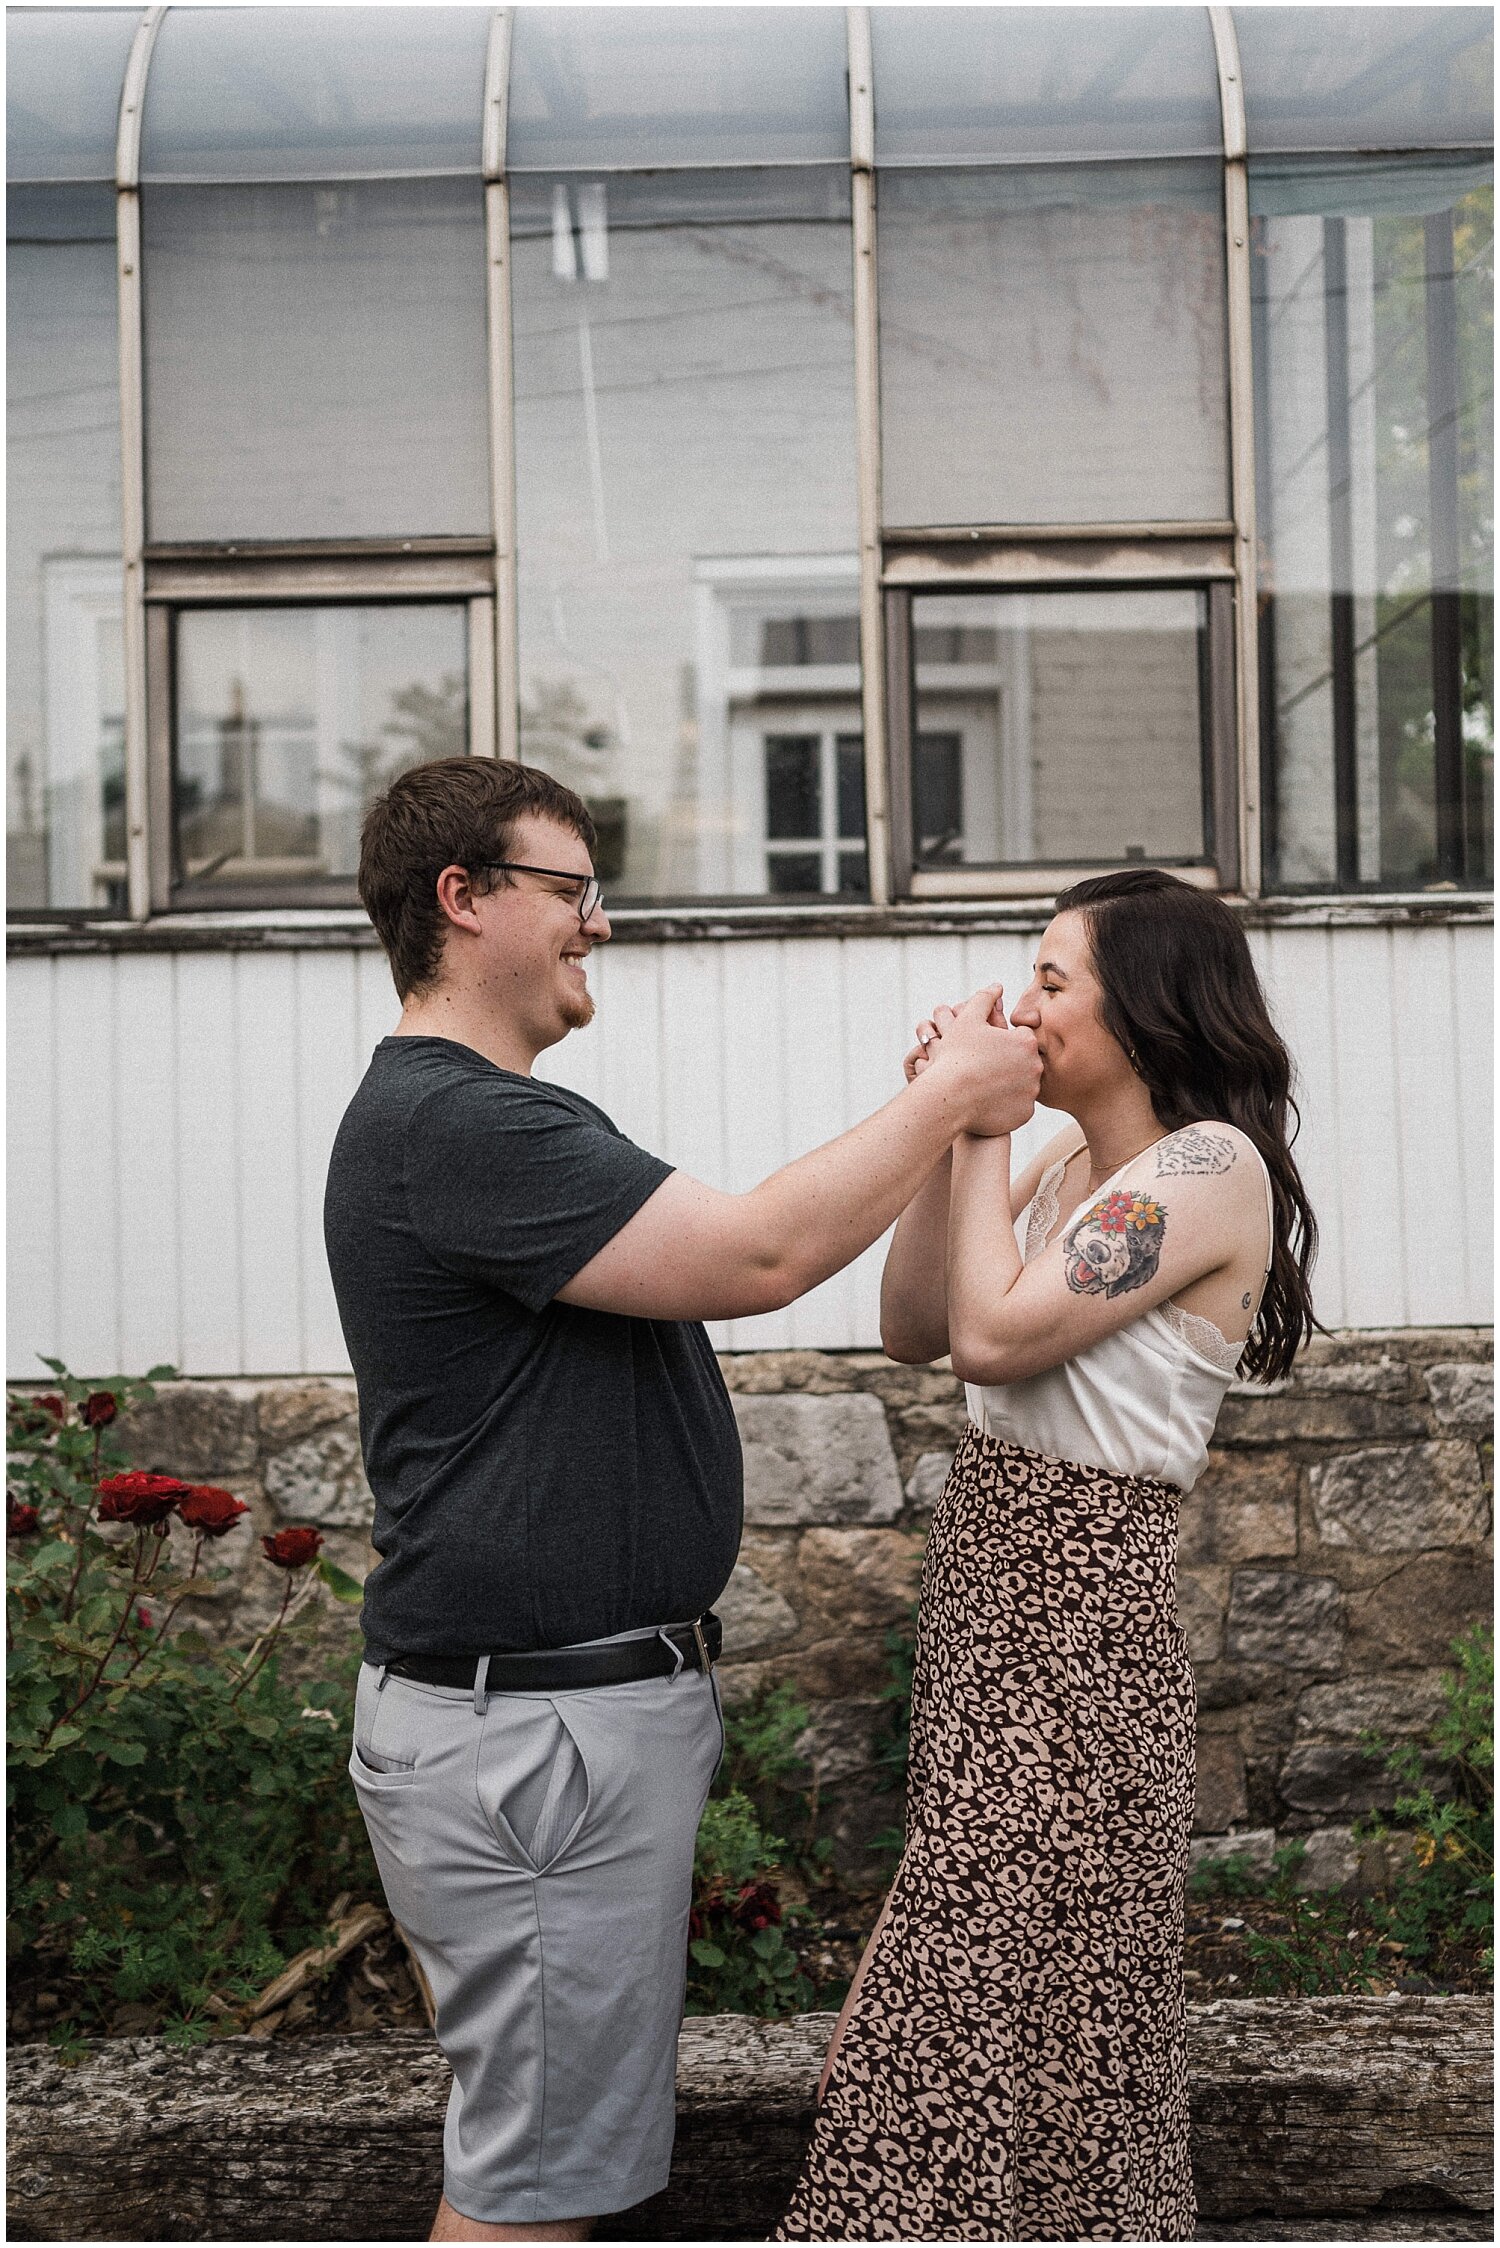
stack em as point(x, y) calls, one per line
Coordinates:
point(533, 1781)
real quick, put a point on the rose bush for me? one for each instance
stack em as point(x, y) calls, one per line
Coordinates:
point(180, 1817)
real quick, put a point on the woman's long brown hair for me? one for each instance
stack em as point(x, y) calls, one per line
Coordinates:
point(1182, 998)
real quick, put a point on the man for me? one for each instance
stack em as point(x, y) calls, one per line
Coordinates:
point(557, 1482)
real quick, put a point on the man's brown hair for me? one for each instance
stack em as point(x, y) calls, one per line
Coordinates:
point(457, 811)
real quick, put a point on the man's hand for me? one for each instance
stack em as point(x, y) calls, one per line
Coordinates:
point(999, 1063)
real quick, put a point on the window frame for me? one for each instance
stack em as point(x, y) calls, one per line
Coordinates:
point(159, 581)
point(1067, 560)
point(379, 573)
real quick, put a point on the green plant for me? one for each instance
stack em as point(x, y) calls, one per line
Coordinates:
point(1324, 1943)
point(1444, 1893)
point(1229, 1876)
point(739, 1958)
point(179, 1813)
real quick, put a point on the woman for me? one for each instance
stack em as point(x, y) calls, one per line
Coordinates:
point(1010, 2061)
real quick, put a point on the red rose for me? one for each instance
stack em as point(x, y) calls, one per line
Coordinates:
point(144, 1618)
point(758, 1907)
point(31, 1414)
point(210, 1510)
point(21, 1521)
point(99, 1409)
point(139, 1498)
point(52, 1404)
point(292, 1549)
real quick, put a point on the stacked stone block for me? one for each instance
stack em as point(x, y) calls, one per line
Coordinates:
point(1337, 1544)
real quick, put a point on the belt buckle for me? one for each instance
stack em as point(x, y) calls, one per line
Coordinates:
point(705, 1659)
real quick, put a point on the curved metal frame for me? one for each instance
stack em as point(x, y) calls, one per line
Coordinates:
point(505, 717)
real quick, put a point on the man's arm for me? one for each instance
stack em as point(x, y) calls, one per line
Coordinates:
point(691, 1252)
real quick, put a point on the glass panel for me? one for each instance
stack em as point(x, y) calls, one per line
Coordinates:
point(793, 790)
point(289, 721)
point(1077, 740)
point(1372, 311)
point(851, 784)
point(65, 68)
point(1052, 345)
point(1367, 77)
point(315, 361)
point(956, 84)
point(685, 475)
point(593, 88)
point(792, 873)
point(65, 828)
point(314, 93)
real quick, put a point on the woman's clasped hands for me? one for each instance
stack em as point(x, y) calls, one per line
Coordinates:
point(979, 1032)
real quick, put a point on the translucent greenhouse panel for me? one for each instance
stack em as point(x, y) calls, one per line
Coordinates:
point(1372, 294)
point(65, 765)
point(1052, 345)
point(314, 93)
point(315, 360)
point(688, 539)
point(289, 721)
point(599, 88)
point(65, 68)
point(1325, 78)
point(1062, 729)
point(956, 85)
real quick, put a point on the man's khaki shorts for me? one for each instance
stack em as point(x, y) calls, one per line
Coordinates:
point(538, 1851)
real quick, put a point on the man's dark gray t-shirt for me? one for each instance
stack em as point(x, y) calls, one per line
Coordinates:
point(542, 1473)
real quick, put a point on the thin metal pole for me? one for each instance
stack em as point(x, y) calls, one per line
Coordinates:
point(1340, 553)
point(1442, 483)
point(1241, 446)
point(145, 821)
point(884, 876)
point(506, 738)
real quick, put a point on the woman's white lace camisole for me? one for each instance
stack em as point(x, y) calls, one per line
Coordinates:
point(1141, 1401)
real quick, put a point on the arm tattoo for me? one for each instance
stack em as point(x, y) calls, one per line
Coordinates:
point(1116, 1245)
point(1194, 1153)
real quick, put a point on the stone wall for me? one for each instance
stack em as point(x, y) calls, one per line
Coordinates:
point(1337, 1543)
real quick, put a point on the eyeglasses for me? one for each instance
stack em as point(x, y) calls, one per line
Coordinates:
point(590, 889)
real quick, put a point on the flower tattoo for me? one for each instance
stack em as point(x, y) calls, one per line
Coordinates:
point(1116, 1245)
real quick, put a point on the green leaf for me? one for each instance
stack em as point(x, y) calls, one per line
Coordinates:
point(70, 1820)
point(338, 1581)
point(161, 1374)
point(263, 1728)
point(125, 1752)
point(707, 1954)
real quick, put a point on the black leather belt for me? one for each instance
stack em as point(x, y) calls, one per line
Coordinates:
point(561, 1670)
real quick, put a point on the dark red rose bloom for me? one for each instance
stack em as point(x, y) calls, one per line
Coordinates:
point(32, 1415)
point(292, 1549)
point(139, 1498)
point(21, 1521)
point(758, 1907)
point(100, 1409)
point(144, 1618)
point(51, 1404)
point(210, 1510)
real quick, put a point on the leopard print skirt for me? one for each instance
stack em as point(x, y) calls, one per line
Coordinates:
point(1015, 2066)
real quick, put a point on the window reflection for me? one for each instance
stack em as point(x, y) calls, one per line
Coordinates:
point(1321, 78)
point(1052, 345)
point(685, 476)
point(65, 835)
point(289, 722)
point(1372, 296)
point(315, 361)
point(1058, 728)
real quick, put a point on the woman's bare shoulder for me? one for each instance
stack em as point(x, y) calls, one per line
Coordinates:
point(1205, 1151)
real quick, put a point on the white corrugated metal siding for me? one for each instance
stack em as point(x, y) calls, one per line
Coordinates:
point(171, 1115)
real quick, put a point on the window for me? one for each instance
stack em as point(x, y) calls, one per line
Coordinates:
point(289, 720)
point(1373, 286)
point(65, 815)
point(684, 412)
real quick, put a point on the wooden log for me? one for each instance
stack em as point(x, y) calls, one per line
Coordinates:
point(1314, 2119)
